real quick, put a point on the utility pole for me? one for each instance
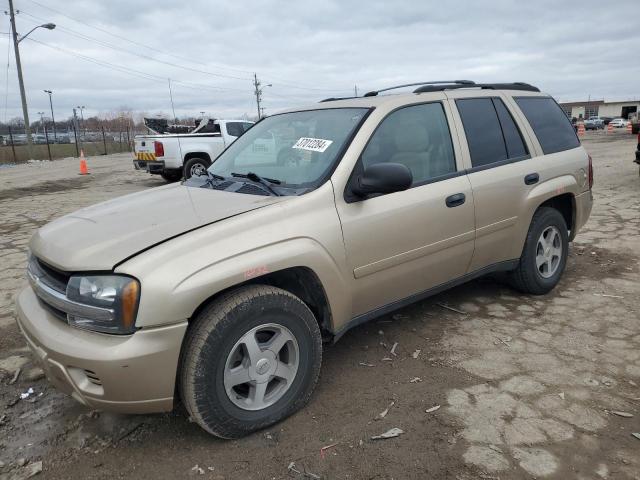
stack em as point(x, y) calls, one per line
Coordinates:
point(75, 130)
point(355, 90)
point(258, 94)
point(84, 128)
point(173, 109)
point(53, 119)
point(25, 112)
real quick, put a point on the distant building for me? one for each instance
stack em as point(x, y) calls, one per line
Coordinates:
point(600, 108)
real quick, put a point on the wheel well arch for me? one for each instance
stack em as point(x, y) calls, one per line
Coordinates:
point(566, 205)
point(203, 155)
point(300, 281)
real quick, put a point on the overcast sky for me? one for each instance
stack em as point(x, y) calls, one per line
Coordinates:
point(109, 54)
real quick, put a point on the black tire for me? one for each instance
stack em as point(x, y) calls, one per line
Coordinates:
point(211, 338)
point(194, 164)
point(526, 277)
point(171, 175)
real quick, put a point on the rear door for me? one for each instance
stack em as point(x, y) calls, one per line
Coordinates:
point(500, 168)
point(404, 243)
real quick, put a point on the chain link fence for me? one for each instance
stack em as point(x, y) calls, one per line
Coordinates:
point(47, 145)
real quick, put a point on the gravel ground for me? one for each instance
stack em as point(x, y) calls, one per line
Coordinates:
point(527, 386)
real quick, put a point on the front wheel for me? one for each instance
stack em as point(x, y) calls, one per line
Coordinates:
point(195, 167)
point(250, 359)
point(544, 255)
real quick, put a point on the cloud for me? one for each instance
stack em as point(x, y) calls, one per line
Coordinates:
point(310, 50)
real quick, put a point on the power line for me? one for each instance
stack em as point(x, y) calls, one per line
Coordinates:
point(141, 55)
point(141, 74)
point(84, 23)
point(133, 72)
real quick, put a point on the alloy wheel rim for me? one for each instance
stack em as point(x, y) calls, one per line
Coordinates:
point(197, 169)
point(261, 367)
point(548, 252)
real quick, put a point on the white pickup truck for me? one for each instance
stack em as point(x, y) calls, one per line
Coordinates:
point(174, 155)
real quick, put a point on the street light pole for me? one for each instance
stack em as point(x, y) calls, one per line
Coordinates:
point(25, 112)
point(23, 96)
point(53, 119)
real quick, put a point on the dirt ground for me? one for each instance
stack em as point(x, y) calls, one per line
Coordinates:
point(527, 386)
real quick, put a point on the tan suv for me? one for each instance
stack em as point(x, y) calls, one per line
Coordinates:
point(222, 289)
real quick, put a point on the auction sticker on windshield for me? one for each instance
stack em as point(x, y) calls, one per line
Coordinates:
point(312, 144)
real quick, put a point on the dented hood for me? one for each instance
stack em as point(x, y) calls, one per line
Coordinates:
point(103, 235)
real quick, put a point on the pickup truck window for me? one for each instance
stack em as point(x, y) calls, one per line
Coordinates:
point(417, 137)
point(235, 129)
point(297, 148)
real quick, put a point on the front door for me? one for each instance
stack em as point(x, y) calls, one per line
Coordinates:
point(404, 243)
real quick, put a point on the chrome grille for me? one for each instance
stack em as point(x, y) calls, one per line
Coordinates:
point(50, 286)
point(50, 276)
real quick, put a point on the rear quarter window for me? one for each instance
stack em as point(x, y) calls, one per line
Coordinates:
point(550, 124)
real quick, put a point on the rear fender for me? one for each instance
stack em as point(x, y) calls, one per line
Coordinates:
point(537, 196)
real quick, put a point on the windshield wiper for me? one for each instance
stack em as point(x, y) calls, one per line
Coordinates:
point(213, 176)
point(266, 182)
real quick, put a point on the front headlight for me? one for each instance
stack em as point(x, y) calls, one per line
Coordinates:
point(115, 295)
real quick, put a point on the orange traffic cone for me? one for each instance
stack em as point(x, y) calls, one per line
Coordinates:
point(581, 129)
point(609, 128)
point(83, 164)
point(629, 127)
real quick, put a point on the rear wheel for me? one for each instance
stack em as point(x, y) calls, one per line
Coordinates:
point(544, 255)
point(250, 359)
point(195, 167)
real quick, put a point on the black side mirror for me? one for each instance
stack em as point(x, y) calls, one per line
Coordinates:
point(382, 178)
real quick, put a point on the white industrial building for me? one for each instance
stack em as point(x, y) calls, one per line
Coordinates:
point(601, 108)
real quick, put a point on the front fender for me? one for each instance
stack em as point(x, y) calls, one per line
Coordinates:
point(298, 252)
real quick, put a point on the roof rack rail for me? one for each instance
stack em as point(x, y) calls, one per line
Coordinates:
point(456, 82)
point(335, 99)
point(485, 86)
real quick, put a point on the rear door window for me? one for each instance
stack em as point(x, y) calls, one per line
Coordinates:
point(512, 137)
point(491, 133)
point(552, 127)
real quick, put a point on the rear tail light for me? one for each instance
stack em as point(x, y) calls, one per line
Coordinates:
point(590, 172)
point(158, 148)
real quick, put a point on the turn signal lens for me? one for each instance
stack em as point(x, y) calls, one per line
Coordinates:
point(129, 305)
